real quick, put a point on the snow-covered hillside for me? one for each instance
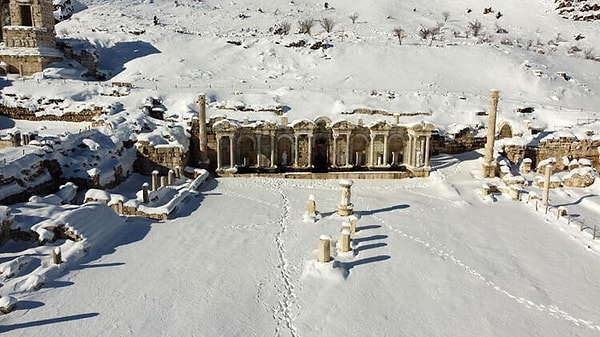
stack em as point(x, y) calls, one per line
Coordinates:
point(431, 257)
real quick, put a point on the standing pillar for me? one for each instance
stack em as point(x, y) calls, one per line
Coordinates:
point(258, 150)
point(177, 171)
point(427, 149)
point(231, 161)
point(489, 167)
point(545, 196)
point(345, 207)
point(170, 177)
point(310, 150)
point(372, 150)
point(202, 136)
point(345, 241)
point(409, 150)
point(385, 149)
point(272, 151)
point(347, 149)
point(154, 180)
point(56, 256)
point(353, 221)
point(335, 153)
point(219, 154)
point(312, 206)
point(324, 249)
point(296, 148)
point(145, 193)
point(163, 181)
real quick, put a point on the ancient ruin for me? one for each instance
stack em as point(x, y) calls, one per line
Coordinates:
point(28, 36)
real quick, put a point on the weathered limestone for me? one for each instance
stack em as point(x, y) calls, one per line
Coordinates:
point(345, 241)
point(163, 181)
point(545, 195)
point(178, 172)
point(154, 180)
point(345, 208)
point(489, 166)
point(170, 177)
point(56, 256)
point(312, 206)
point(145, 193)
point(324, 249)
point(353, 221)
point(203, 136)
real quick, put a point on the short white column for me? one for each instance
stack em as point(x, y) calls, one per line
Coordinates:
point(324, 249)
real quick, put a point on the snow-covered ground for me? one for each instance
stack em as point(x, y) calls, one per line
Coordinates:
point(431, 258)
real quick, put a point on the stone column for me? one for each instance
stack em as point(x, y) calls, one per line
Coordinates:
point(145, 193)
point(296, 148)
point(219, 154)
point(385, 149)
point(170, 177)
point(489, 170)
point(353, 221)
point(427, 149)
point(202, 136)
point(163, 181)
point(546, 195)
point(177, 171)
point(154, 180)
point(345, 207)
point(258, 150)
point(231, 157)
point(347, 149)
point(56, 256)
point(324, 249)
point(409, 150)
point(345, 241)
point(335, 152)
point(310, 150)
point(396, 118)
point(312, 206)
point(372, 150)
point(272, 151)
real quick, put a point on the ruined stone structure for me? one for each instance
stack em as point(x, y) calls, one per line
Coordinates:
point(489, 163)
point(28, 36)
point(317, 146)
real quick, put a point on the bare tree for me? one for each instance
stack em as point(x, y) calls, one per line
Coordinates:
point(399, 33)
point(588, 54)
point(306, 26)
point(327, 24)
point(474, 27)
point(353, 17)
point(446, 15)
point(424, 32)
point(435, 31)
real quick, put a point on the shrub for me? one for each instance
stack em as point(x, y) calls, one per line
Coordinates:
point(306, 26)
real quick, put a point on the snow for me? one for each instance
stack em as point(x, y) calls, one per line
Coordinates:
point(429, 258)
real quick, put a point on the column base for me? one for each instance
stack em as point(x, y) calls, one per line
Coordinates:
point(345, 210)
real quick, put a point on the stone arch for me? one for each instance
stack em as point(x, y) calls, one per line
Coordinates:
point(505, 130)
point(322, 122)
point(247, 150)
point(395, 150)
point(285, 154)
point(359, 144)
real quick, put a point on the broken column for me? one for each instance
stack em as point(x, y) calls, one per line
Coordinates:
point(202, 134)
point(545, 196)
point(145, 194)
point(324, 249)
point(345, 241)
point(170, 177)
point(489, 166)
point(353, 221)
point(163, 181)
point(178, 172)
point(154, 180)
point(56, 256)
point(345, 207)
point(312, 206)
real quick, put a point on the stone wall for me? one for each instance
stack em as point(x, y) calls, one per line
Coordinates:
point(85, 115)
point(557, 148)
point(160, 158)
